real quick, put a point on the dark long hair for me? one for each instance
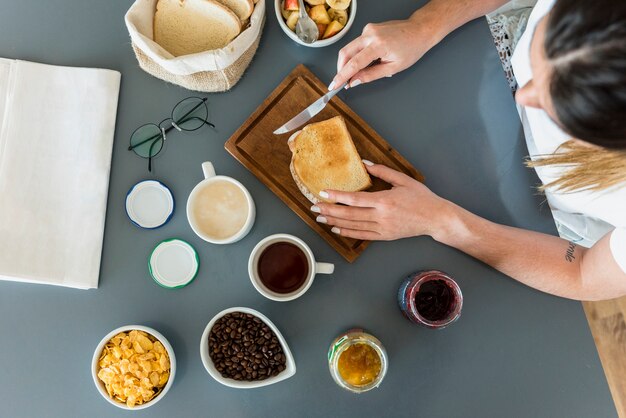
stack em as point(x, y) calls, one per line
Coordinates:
point(585, 43)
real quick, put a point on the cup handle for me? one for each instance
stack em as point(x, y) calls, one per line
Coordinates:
point(208, 169)
point(324, 268)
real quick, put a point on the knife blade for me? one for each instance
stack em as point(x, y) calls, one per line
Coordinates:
point(313, 109)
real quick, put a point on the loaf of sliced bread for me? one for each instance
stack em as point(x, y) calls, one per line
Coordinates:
point(324, 157)
point(185, 27)
point(242, 8)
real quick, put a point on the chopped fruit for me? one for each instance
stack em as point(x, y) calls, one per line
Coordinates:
point(321, 28)
point(315, 2)
point(292, 20)
point(338, 4)
point(285, 12)
point(319, 15)
point(340, 16)
point(333, 28)
point(291, 5)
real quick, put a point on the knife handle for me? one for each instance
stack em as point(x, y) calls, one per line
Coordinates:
point(371, 64)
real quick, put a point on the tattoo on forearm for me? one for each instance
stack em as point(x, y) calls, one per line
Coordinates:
point(569, 254)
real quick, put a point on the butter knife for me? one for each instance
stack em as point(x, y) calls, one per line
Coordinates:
point(315, 108)
point(304, 116)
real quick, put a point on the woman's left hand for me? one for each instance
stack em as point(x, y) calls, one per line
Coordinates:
point(408, 209)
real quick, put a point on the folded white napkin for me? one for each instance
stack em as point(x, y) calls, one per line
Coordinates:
point(56, 139)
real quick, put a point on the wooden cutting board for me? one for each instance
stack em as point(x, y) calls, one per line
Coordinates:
point(268, 157)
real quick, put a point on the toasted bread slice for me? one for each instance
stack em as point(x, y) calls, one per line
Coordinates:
point(324, 157)
point(242, 8)
point(185, 27)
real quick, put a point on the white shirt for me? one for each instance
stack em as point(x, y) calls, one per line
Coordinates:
point(582, 217)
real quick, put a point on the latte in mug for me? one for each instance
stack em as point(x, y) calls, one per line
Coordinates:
point(220, 209)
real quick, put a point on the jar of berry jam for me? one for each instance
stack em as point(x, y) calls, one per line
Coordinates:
point(430, 298)
point(357, 361)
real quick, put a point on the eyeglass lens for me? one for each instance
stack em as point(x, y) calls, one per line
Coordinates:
point(147, 140)
point(190, 114)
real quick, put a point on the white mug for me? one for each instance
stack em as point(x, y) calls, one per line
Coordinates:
point(314, 267)
point(210, 177)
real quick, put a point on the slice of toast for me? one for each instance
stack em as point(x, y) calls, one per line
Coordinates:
point(242, 8)
point(185, 27)
point(324, 157)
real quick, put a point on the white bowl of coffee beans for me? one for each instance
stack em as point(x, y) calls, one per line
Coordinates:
point(243, 349)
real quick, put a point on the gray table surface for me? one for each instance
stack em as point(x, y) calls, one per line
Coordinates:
point(515, 352)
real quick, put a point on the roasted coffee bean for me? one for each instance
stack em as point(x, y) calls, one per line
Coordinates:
point(244, 348)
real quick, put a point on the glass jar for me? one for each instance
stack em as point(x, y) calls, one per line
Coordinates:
point(351, 340)
point(430, 298)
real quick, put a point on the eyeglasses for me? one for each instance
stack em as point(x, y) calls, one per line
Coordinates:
point(189, 114)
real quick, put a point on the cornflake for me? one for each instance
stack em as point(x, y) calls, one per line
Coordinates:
point(134, 367)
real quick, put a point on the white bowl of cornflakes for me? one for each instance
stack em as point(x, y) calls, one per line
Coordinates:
point(133, 367)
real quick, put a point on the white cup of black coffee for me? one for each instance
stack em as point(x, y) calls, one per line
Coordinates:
point(282, 267)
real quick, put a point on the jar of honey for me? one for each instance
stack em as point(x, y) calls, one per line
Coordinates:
point(357, 361)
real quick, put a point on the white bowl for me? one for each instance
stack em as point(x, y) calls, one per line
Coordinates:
point(96, 357)
point(320, 43)
point(290, 365)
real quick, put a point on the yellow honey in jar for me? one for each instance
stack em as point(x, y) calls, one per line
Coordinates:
point(359, 364)
point(357, 361)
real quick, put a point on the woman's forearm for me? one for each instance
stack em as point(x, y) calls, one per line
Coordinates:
point(444, 16)
point(542, 261)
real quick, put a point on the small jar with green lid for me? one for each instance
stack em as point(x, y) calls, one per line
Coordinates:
point(357, 361)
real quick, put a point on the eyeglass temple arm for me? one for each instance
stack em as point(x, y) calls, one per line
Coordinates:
point(202, 120)
point(150, 155)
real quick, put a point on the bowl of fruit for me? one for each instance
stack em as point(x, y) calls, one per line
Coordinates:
point(333, 18)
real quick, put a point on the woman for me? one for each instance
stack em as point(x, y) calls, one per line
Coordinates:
point(571, 66)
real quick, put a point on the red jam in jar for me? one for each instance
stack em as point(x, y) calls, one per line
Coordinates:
point(430, 298)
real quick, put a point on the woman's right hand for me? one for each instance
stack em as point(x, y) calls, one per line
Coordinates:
point(398, 44)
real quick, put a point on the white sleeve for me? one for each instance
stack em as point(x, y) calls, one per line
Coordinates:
point(618, 247)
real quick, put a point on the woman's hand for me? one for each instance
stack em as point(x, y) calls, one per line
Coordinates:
point(398, 44)
point(406, 210)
